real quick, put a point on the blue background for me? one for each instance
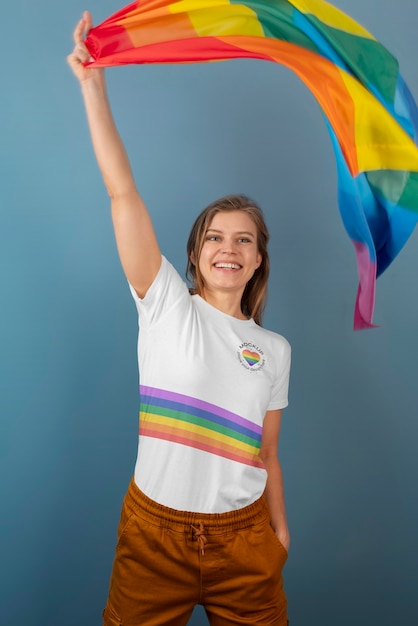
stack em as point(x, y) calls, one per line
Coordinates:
point(68, 380)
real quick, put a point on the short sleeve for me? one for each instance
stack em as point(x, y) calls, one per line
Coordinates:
point(165, 292)
point(279, 397)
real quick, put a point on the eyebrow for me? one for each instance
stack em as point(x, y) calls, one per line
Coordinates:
point(239, 232)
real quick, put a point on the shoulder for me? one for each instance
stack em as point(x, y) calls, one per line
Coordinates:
point(167, 275)
point(167, 295)
point(276, 340)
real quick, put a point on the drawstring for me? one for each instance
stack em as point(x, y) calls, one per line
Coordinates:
point(199, 535)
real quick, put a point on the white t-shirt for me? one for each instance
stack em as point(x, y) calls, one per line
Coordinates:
point(206, 382)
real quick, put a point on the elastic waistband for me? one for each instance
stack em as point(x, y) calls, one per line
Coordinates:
point(213, 522)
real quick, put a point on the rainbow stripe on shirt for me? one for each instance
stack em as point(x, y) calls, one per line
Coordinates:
point(192, 422)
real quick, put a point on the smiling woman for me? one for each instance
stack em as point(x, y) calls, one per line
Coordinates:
point(234, 213)
point(207, 464)
point(228, 261)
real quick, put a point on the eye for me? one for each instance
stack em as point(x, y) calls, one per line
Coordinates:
point(244, 240)
point(213, 238)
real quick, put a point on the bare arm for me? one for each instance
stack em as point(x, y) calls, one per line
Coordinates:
point(274, 486)
point(135, 237)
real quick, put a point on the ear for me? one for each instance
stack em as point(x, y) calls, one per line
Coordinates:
point(192, 258)
point(258, 261)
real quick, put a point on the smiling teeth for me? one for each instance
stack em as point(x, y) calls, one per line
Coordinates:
point(229, 266)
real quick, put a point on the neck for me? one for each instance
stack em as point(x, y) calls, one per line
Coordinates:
point(228, 303)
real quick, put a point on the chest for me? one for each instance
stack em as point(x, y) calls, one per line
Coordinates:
point(224, 365)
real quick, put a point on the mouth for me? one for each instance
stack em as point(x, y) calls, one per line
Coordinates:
point(227, 266)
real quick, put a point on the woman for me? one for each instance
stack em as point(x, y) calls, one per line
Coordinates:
point(204, 518)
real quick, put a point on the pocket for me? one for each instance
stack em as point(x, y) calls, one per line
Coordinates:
point(276, 540)
point(126, 516)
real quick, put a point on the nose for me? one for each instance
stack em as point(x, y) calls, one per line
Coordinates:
point(227, 245)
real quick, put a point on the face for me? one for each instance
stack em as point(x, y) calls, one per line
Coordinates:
point(229, 255)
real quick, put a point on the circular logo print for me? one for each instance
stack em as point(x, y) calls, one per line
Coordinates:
point(251, 356)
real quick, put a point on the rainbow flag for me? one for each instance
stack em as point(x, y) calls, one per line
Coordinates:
point(371, 116)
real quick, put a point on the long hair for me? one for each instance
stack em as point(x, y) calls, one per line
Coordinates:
point(253, 299)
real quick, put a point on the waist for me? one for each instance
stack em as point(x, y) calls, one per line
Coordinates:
point(167, 517)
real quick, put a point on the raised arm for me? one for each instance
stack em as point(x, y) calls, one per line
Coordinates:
point(135, 237)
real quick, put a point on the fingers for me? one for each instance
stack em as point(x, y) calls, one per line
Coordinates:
point(83, 27)
point(79, 31)
point(80, 53)
point(88, 21)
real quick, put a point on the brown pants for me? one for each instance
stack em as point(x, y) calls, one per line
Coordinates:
point(169, 561)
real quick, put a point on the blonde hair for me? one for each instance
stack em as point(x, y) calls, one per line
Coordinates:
point(254, 298)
